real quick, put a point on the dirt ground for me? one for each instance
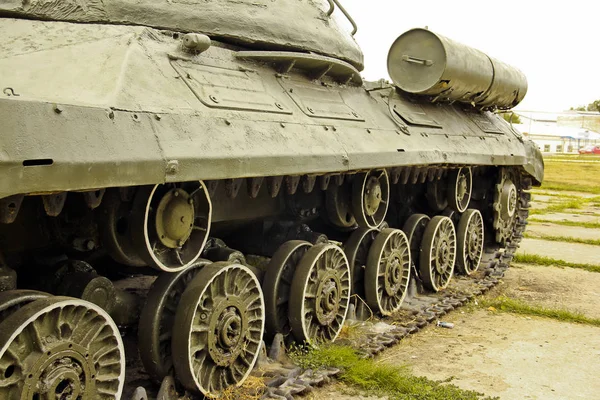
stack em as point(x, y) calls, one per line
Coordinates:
point(513, 356)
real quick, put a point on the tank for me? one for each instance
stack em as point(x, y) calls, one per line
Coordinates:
point(179, 184)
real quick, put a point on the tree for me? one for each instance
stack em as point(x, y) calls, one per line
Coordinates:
point(594, 106)
point(510, 116)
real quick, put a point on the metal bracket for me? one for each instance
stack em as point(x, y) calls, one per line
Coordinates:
point(54, 203)
point(9, 208)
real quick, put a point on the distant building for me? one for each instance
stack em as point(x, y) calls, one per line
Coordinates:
point(560, 132)
point(580, 119)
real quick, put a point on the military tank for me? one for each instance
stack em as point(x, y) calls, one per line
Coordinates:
point(185, 179)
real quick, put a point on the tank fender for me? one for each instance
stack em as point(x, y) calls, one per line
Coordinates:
point(535, 162)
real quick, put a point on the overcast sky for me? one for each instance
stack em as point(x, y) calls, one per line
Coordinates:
point(555, 43)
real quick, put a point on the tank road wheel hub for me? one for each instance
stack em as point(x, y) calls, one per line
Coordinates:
point(414, 228)
point(328, 298)
point(59, 348)
point(373, 194)
point(370, 197)
point(218, 328)
point(171, 223)
point(356, 249)
point(460, 187)
point(438, 253)
point(470, 242)
point(388, 271)
point(277, 285)
point(175, 218)
point(158, 315)
point(320, 294)
point(508, 199)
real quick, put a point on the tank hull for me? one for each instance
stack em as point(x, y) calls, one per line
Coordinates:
point(141, 130)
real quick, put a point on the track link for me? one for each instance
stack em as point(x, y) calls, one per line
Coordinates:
point(419, 310)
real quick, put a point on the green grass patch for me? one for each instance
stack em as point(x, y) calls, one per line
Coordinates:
point(514, 306)
point(526, 258)
point(570, 187)
point(555, 194)
point(379, 378)
point(564, 222)
point(565, 239)
point(573, 204)
point(572, 176)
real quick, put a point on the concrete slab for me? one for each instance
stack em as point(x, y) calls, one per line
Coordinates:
point(550, 229)
point(566, 288)
point(509, 356)
point(571, 252)
point(540, 198)
point(567, 217)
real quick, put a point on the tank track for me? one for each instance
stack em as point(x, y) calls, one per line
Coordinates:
point(284, 380)
point(419, 311)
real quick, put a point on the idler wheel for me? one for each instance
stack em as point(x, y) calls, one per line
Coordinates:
point(320, 294)
point(171, 223)
point(460, 185)
point(277, 285)
point(470, 234)
point(157, 318)
point(356, 249)
point(218, 328)
point(388, 271)
point(438, 253)
point(370, 197)
point(414, 228)
point(59, 348)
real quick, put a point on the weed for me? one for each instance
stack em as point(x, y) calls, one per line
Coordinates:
point(548, 261)
point(515, 306)
point(379, 378)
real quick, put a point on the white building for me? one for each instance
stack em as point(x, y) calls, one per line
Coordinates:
point(552, 136)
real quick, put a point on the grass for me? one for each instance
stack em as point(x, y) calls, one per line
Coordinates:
point(573, 204)
point(554, 194)
point(378, 378)
point(564, 222)
point(562, 175)
point(515, 306)
point(566, 239)
point(570, 187)
point(526, 258)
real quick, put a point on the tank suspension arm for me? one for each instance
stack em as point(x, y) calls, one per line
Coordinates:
point(332, 4)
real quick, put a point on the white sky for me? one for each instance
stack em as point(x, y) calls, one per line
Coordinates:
point(555, 43)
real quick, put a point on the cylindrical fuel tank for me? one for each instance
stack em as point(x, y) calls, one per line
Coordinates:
point(422, 62)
